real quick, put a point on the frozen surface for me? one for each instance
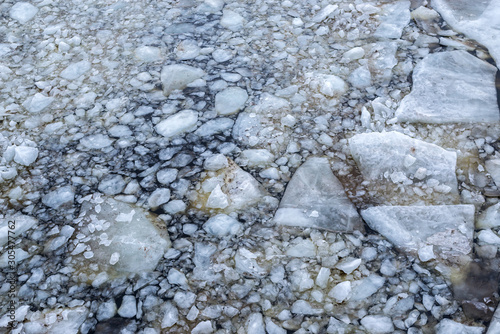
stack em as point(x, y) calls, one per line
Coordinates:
point(451, 87)
point(315, 198)
point(449, 228)
point(478, 20)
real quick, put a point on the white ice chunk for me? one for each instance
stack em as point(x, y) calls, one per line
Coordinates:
point(369, 150)
point(315, 198)
point(159, 197)
point(353, 54)
point(341, 291)
point(95, 142)
point(17, 224)
point(324, 13)
point(25, 155)
point(23, 12)
point(445, 80)
point(37, 103)
point(214, 126)
point(361, 77)
point(394, 17)
point(187, 49)
point(148, 53)
point(171, 315)
point(493, 167)
point(348, 265)
point(489, 218)
point(59, 197)
point(128, 308)
point(489, 237)
point(216, 162)
point(231, 20)
point(478, 20)
point(222, 225)
point(449, 227)
point(183, 121)
point(255, 324)
point(230, 100)
point(178, 76)
point(257, 157)
point(301, 248)
point(217, 199)
point(367, 287)
point(57, 321)
point(329, 85)
point(426, 253)
point(76, 70)
point(448, 326)
point(377, 324)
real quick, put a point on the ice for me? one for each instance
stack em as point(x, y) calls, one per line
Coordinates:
point(448, 326)
point(272, 328)
point(353, 54)
point(256, 157)
point(181, 122)
point(348, 265)
point(426, 253)
point(304, 308)
point(96, 142)
point(106, 310)
point(222, 55)
point(367, 287)
point(315, 198)
point(21, 224)
point(301, 248)
point(369, 150)
point(217, 199)
point(76, 70)
point(231, 20)
point(361, 77)
point(167, 176)
point(59, 197)
point(216, 162)
point(187, 49)
point(377, 324)
point(448, 227)
point(128, 308)
point(488, 237)
point(324, 13)
point(112, 184)
point(489, 218)
point(494, 326)
point(341, 291)
point(37, 103)
point(184, 299)
point(329, 85)
point(120, 131)
point(221, 225)
point(148, 53)
point(130, 233)
point(159, 197)
point(445, 80)
point(23, 12)
point(241, 188)
point(246, 263)
point(476, 19)
point(57, 321)
point(230, 100)
point(204, 327)
point(394, 17)
point(255, 324)
point(493, 167)
point(170, 317)
point(25, 155)
point(176, 277)
point(214, 126)
point(178, 76)
point(174, 207)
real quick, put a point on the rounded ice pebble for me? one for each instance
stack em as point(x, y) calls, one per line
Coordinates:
point(222, 225)
point(221, 55)
point(177, 124)
point(159, 197)
point(187, 49)
point(148, 53)
point(128, 308)
point(332, 85)
point(377, 324)
point(96, 141)
point(230, 100)
point(23, 12)
point(25, 155)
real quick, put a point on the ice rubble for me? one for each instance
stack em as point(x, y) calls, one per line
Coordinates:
point(179, 76)
point(449, 228)
point(315, 198)
point(22, 223)
point(400, 161)
point(451, 87)
point(57, 321)
point(394, 17)
point(478, 20)
point(118, 238)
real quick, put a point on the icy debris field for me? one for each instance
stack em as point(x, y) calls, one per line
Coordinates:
point(250, 167)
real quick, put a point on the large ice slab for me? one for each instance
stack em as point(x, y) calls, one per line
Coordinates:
point(448, 228)
point(476, 19)
point(451, 87)
point(314, 197)
point(395, 161)
point(123, 238)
